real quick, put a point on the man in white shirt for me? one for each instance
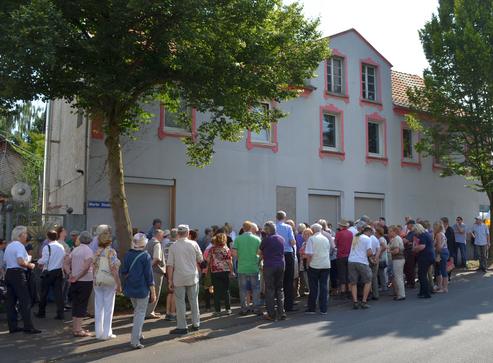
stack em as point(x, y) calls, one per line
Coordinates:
point(317, 251)
point(481, 235)
point(17, 263)
point(51, 262)
point(183, 278)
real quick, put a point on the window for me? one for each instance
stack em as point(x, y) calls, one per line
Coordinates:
point(368, 82)
point(171, 119)
point(335, 75)
point(265, 138)
point(329, 132)
point(407, 144)
point(264, 135)
point(374, 138)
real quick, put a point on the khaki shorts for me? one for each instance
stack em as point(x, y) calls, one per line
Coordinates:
point(359, 273)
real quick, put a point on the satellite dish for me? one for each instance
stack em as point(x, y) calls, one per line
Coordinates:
point(21, 192)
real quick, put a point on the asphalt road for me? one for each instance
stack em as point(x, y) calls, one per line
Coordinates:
point(456, 327)
point(453, 327)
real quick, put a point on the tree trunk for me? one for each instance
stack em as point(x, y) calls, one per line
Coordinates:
point(123, 226)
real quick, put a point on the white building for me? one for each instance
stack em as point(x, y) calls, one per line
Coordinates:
point(344, 150)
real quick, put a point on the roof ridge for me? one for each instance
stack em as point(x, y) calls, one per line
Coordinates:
point(407, 73)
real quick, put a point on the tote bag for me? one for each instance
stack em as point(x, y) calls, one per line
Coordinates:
point(104, 277)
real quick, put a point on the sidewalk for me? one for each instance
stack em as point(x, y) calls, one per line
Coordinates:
point(56, 343)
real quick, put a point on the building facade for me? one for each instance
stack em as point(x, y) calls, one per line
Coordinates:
point(343, 150)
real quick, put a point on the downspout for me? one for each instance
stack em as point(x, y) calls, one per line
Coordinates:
point(47, 153)
point(86, 169)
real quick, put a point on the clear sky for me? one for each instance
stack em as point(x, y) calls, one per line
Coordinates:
point(391, 26)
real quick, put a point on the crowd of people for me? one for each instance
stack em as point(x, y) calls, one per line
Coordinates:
point(273, 265)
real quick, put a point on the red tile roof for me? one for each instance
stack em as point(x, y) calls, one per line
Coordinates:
point(401, 82)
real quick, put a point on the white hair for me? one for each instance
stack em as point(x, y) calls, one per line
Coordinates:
point(419, 229)
point(102, 228)
point(316, 227)
point(17, 231)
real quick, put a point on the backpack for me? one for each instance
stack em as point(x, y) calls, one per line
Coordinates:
point(104, 277)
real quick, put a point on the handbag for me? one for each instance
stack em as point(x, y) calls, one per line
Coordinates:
point(104, 277)
point(450, 265)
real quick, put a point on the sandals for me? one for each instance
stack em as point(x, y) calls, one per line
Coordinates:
point(81, 334)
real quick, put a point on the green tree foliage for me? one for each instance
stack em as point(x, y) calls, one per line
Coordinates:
point(458, 92)
point(109, 57)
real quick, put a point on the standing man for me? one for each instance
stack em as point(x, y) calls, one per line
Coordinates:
point(460, 230)
point(317, 251)
point(17, 263)
point(51, 261)
point(343, 241)
point(183, 275)
point(410, 258)
point(481, 236)
point(156, 224)
point(286, 232)
point(158, 264)
point(245, 248)
point(272, 253)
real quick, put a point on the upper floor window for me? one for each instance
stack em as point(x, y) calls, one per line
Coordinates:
point(407, 144)
point(171, 119)
point(369, 82)
point(264, 135)
point(335, 75)
point(375, 139)
point(329, 132)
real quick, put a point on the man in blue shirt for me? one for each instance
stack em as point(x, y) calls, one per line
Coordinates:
point(285, 231)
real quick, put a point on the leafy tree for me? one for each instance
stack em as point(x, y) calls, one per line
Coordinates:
point(458, 91)
point(109, 57)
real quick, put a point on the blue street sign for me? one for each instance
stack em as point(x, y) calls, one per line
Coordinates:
point(94, 204)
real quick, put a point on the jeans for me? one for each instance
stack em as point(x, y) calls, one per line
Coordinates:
point(318, 286)
point(104, 305)
point(423, 267)
point(482, 254)
point(220, 281)
point(288, 281)
point(18, 291)
point(243, 281)
point(55, 280)
point(158, 283)
point(274, 277)
point(140, 308)
point(192, 293)
point(462, 247)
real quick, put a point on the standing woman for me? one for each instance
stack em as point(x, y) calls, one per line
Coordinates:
point(396, 248)
point(79, 269)
point(382, 261)
point(221, 264)
point(425, 257)
point(139, 284)
point(441, 250)
point(106, 284)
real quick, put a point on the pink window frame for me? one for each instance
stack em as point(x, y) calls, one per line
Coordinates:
point(274, 145)
point(163, 132)
point(362, 101)
point(327, 93)
point(323, 153)
point(376, 117)
point(405, 162)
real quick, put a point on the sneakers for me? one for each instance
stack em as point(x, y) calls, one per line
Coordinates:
point(194, 328)
point(169, 317)
point(309, 312)
point(228, 312)
point(138, 346)
point(323, 313)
